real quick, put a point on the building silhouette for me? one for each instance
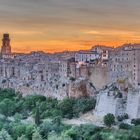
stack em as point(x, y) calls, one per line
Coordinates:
point(6, 47)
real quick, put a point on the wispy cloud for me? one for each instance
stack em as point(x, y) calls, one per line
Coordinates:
point(96, 21)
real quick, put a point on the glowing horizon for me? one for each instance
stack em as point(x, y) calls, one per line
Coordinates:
point(59, 25)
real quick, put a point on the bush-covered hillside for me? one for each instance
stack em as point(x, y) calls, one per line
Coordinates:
point(39, 118)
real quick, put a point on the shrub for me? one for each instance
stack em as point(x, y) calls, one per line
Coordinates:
point(83, 105)
point(7, 107)
point(109, 120)
point(124, 126)
point(136, 132)
point(122, 117)
point(4, 135)
point(135, 121)
point(72, 79)
point(66, 107)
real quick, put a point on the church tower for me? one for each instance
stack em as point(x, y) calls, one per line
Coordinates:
point(6, 48)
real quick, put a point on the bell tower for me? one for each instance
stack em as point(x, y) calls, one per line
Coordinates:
point(6, 47)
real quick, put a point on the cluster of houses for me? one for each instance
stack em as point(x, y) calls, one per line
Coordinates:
point(76, 74)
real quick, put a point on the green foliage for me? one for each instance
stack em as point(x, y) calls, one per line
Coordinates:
point(136, 121)
point(72, 133)
point(124, 126)
point(122, 117)
point(73, 107)
point(23, 137)
point(37, 117)
point(29, 131)
point(7, 107)
point(54, 136)
point(136, 131)
point(109, 120)
point(31, 101)
point(1, 124)
point(17, 130)
point(36, 136)
point(17, 118)
point(45, 129)
point(66, 107)
point(7, 93)
point(97, 136)
point(72, 79)
point(4, 135)
point(20, 108)
point(83, 105)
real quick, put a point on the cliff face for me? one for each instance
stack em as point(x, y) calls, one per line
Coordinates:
point(118, 98)
point(99, 76)
point(81, 87)
point(56, 88)
point(133, 104)
point(110, 102)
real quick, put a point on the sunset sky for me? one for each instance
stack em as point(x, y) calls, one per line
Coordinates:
point(58, 25)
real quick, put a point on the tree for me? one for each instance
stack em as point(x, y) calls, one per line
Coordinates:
point(37, 116)
point(136, 131)
point(17, 130)
point(66, 106)
point(7, 107)
point(136, 121)
point(83, 104)
point(73, 133)
point(54, 136)
point(17, 118)
point(4, 135)
point(32, 100)
point(109, 120)
point(23, 137)
point(45, 128)
point(124, 126)
point(36, 136)
point(29, 131)
point(57, 120)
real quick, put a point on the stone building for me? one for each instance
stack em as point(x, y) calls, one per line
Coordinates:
point(125, 63)
point(103, 51)
point(86, 56)
point(6, 47)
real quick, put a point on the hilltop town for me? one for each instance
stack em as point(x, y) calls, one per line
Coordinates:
point(111, 75)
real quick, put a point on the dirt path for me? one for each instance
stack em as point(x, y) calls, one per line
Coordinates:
point(87, 118)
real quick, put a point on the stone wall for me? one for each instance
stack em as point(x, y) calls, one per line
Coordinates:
point(99, 76)
point(81, 87)
point(133, 104)
point(109, 104)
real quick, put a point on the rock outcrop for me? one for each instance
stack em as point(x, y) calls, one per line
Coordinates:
point(81, 87)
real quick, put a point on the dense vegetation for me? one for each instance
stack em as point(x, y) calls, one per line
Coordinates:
point(39, 118)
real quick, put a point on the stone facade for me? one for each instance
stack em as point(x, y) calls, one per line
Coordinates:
point(110, 100)
point(133, 104)
point(118, 101)
point(49, 78)
point(99, 76)
point(6, 47)
point(125, 63)
point(86, 56)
